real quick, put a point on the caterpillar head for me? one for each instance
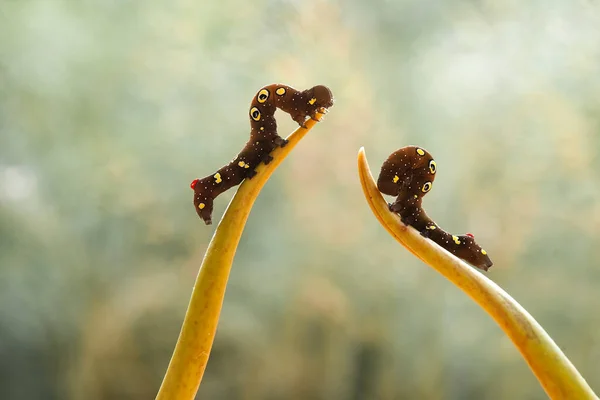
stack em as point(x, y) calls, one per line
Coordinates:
point(409, 171)
point(319, 96)
point(471, 252)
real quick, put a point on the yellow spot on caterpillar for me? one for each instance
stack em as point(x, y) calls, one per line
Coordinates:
point(262, 96)
point(396, 179)
point(262, 128)
point(426, 187)
point(455, 238)
point(416, 197)
point(201, 206)
point(312, 101)
point(483, 252)
point(280, 91)
point(255, 114)
point(242, 164)
point(217, 177)
point(432, 166)
point(246, 166)
point(431, 227)
point(420, 152)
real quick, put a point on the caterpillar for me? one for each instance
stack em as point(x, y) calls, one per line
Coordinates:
point(300, 105)
point(408, 174)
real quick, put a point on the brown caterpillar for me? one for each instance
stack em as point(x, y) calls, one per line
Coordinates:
point(263, 139)
point(408, 173)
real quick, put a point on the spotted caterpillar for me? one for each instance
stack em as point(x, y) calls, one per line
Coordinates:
point(300, 105)
point(408, 173)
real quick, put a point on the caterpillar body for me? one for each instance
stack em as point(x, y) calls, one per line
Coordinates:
point(408, 174)
point(300, 105)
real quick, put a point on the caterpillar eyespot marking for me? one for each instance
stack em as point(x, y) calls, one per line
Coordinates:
point(264, 138)
point(255, 114)
point(262, 96)
point(415, 165)
point(432, 166)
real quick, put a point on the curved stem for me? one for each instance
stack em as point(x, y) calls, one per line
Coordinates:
point(192, 350)
point(556, 374)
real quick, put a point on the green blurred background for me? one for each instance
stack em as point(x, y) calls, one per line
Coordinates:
point(108, 109)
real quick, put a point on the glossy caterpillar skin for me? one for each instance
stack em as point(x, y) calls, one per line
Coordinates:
point(300, 105)
point(408, 173)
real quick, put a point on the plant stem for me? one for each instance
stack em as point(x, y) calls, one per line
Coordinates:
point(555, 372)
point(192, 350)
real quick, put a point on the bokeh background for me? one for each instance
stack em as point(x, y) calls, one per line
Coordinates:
point(108, 109)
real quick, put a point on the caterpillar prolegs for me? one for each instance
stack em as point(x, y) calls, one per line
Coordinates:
point(300, 105)
point(408, 174)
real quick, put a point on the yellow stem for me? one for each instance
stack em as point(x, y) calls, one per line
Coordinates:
point(556, 374)
point(192, 350)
